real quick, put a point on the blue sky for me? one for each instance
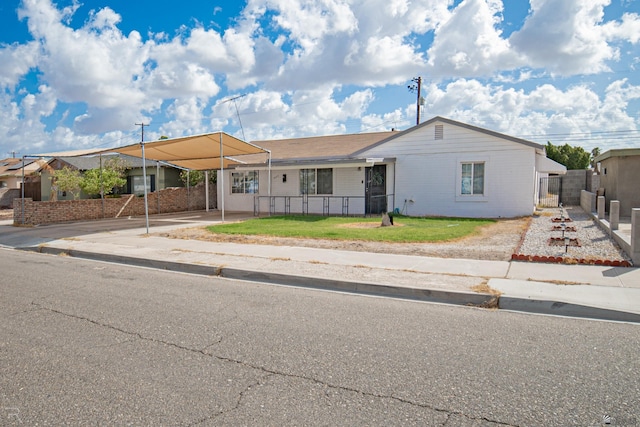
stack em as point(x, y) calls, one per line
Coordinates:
point(77, 75)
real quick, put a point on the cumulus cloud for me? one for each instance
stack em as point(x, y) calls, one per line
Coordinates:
point(311, 67)
point(569, 37)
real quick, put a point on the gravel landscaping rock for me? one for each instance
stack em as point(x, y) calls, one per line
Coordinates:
point(593, 242)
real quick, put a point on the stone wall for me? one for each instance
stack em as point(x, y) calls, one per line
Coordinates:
point(177, 199)
point(7, 195)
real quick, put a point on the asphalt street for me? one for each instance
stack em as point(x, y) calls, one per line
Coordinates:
point(93, 343)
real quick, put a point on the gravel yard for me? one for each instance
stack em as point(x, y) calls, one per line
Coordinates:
point(593, 243)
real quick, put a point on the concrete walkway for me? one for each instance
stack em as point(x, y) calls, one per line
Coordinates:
point(611, 293)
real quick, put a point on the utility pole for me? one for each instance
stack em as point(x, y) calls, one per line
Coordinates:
point(144, 176)
point(415, 87)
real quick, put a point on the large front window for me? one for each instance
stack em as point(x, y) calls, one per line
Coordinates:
point(472, 179)
point(316, 181)
point(245, 182)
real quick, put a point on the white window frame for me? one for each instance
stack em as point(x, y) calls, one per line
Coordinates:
point(460, 197)
point(245, 182)
point(314, 185)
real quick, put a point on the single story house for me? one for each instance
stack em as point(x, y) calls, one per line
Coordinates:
point(159, 175)
point(13, 170)
point(619, 172)
point(440, 167)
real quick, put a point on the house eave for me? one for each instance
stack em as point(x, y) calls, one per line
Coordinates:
point(314, 162)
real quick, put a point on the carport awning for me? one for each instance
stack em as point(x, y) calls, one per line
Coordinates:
point(197, 152)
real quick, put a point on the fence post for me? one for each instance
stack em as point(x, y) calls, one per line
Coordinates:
point(600, 207)
point(614, 215)
point(635, 236)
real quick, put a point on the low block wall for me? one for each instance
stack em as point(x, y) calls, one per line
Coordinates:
point(7, 195)
point(168, 200)
point(588, 201)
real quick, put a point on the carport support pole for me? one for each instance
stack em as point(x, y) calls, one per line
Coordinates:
point(206, 190)
point(222, 176)
point(22, 204)
point(144, 179)
point(158, 184)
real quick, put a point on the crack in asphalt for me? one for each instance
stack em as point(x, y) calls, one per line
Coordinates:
point(269, 372)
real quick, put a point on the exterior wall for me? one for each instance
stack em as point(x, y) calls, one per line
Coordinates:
point(572, 184)
point(428, 173)
point(619, 176)
point(348, 181)
point(170, 200)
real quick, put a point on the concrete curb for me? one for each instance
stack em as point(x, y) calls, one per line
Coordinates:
point(481, 300)
point(428, 295)
point(565, 309)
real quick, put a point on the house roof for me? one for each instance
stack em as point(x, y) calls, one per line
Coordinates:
point(617, 153)
point(324, 148)
point(13, 167)
point(439, 119)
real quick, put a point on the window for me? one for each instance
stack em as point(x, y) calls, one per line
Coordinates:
point(245, 182)
point(316, 181)
point(472, 182)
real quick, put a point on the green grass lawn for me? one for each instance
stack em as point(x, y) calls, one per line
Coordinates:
point(405, 229)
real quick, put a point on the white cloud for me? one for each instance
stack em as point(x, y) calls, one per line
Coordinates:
point(470, 43)
point(569, 37)
point(16, 61)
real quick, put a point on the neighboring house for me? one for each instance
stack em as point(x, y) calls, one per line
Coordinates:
point(438, 168)
point(158, 175)
point(619, 172)
point(12, 171)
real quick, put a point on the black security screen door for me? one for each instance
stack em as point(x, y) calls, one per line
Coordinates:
point(375, 189)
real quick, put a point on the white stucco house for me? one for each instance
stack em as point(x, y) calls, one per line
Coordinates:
point(438, 168)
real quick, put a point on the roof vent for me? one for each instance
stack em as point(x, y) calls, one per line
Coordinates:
point(439, 132)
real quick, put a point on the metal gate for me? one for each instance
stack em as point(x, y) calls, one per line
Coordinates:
point(549, 194)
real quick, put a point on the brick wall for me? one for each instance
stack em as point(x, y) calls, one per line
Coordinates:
point(171, 200)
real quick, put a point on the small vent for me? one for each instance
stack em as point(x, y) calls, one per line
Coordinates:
point(439, 132)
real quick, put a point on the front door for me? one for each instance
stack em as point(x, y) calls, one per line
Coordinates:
point(375, 189)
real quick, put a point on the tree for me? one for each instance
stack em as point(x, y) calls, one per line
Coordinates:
point(67, 179)
point(594, 153)
point(195, 177)
point(110, 177)
point(571, 157)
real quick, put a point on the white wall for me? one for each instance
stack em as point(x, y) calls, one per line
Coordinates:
point(347, 181)
point(428, 172)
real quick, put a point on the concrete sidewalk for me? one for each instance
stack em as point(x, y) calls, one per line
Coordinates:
point(575, 290)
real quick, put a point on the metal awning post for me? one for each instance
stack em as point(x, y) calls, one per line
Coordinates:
point(222, 176)
point(23, 189)
point(206, 190)
point(144, 179)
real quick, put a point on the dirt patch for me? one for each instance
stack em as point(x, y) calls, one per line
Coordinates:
point(497, 241)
